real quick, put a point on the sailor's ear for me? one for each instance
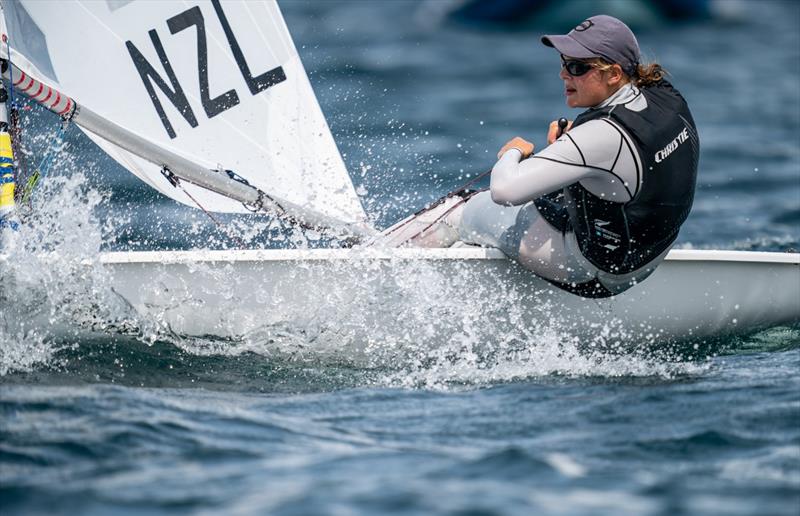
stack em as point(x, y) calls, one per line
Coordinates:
point(614, 75)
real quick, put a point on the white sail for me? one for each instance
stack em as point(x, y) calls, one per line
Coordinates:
point(219, 83)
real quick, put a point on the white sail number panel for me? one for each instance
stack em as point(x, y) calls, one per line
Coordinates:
point(220, 83)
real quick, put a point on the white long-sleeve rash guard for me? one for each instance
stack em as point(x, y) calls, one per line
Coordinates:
point(599, 154)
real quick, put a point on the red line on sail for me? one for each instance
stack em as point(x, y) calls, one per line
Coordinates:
point(58, 99)
point(21, 78)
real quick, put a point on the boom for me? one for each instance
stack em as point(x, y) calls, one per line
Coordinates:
point(215, 180)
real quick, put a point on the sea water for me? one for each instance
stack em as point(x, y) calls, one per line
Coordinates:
point(125, 418)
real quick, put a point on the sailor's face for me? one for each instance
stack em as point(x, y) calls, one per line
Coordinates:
point(587, 90)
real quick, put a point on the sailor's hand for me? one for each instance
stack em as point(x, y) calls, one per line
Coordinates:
point(556, 130)
point(524, 147)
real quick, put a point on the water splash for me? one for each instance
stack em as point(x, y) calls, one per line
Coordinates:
point(51, 281)
point(396, 322)
point(399, 323)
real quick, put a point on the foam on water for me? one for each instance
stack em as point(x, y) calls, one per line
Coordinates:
point(50, 276)
point(284, 416)
point(402, 323)
point(422, 328)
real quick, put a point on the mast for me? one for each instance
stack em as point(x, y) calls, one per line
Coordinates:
point(7, 176)
point(8, 212)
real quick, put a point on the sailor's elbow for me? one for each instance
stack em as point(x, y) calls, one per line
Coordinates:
point(502, 196)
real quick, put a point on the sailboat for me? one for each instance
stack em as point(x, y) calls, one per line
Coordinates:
point(208, 103)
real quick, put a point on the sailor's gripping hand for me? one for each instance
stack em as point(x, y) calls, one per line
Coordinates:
point(556, 130)
point(523, 146)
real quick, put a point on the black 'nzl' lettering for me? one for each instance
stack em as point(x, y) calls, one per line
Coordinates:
point(256, 84)
point(148, 73)
point(227, 100)
point(212, 106)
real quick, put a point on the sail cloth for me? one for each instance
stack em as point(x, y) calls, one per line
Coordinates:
point(218, 82)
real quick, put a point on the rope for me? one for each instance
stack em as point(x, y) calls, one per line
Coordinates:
point(261, 205)
point(47, 160)
point(437, 219)
point(10, 74)
point(562, 125)
point(175, 181)
point(13, 111)
point(458, 191)
point(44, 166)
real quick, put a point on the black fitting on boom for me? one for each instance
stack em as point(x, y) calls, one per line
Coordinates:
point(170, 176)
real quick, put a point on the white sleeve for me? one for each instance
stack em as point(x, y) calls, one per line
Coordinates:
point(598, 154)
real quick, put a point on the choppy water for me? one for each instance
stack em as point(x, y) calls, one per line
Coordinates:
point(143, 421)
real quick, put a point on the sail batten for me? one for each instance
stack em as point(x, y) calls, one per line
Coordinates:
point(217, 80)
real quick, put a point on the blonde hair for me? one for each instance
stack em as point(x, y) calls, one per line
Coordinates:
point(646, 74)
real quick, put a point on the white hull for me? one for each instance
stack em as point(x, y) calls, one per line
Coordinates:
point(419, 293)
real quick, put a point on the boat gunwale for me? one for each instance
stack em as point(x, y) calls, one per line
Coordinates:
point(453, 254)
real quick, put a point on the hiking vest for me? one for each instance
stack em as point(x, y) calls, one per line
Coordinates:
point(621, 237)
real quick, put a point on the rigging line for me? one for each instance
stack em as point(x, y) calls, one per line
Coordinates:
point(13, 113)
point(175, 181)
point(259, 205)
point(461, 189)
point(264, 203)
point(47, 161)
point(10, 73)
point(440, 217)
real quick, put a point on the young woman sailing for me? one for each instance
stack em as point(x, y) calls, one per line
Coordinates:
point(598, 209)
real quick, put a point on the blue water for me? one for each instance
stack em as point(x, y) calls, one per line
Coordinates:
point(136, 423)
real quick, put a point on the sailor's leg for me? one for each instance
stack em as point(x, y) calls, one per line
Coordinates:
point(550, 253)
point(483, 222)
point(557, 256)
point(524, 235)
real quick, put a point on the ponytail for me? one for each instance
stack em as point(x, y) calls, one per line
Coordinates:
point(645, 75)
point(648, 75)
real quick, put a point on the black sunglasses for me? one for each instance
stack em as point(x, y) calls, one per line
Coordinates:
point(575, 67)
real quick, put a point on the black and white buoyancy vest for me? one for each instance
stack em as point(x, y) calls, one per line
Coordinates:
point(621, 237)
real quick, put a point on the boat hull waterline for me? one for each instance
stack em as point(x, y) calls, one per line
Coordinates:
point(232, 294)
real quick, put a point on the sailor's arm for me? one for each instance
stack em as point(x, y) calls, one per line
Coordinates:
point(587, 153)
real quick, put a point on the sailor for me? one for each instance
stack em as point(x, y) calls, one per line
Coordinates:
point(598, 209)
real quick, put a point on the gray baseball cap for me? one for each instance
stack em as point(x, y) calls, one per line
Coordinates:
point(600, 36)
